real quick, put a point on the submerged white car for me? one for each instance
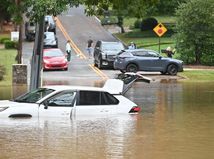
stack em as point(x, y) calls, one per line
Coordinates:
point(68, 101)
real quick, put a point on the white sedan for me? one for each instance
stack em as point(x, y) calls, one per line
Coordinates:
point(69, 101)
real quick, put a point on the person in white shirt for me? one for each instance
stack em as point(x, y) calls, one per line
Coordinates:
point(68, 50)
point(132, 46)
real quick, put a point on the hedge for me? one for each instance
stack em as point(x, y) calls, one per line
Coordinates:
point(3, 39)
point(10, 44)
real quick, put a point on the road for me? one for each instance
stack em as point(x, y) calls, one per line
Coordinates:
point(77, 27)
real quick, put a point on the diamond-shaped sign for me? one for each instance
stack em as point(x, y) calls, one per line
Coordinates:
point(160, 29)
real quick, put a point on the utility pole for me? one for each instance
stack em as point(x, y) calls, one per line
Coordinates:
point(19, 49)
point(36, 61)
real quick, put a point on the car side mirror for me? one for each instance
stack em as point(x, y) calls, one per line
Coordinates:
point(45, 103)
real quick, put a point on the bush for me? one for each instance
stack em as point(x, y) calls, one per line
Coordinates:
point(148, 24)
point(2, 72)
point(10, 44)
point(137, 24)
point(3, 39)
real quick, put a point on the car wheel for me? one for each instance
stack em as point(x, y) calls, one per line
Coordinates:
point(132, 68)
point(172, 69)
point(99, 65)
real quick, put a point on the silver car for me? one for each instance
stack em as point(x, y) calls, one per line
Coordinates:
point(50, 40)
point(146, 60)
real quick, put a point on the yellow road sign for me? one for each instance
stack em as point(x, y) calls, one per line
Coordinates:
point(160, 29)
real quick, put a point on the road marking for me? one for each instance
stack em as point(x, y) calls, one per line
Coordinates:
point(100, 73)
point(73, 45)
point(78, 51)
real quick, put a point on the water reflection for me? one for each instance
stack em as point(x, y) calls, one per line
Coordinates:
point(176, 122)
point(9, 92)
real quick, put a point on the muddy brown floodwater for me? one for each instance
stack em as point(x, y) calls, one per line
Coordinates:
point(176, 122)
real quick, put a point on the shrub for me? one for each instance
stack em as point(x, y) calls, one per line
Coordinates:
point(10, 44)
point(3, 39)
point(2, 72)
point(148, 24)
point(137, 24)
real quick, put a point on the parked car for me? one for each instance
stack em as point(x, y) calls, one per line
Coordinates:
point(50, 24)
point(68, 101)
point(30, 27)
point(54, 59)
point(146, 60)
point(105, 53)
point(30, 31)
point(50, 40)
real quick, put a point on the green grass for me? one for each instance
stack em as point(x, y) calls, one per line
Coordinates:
point(7, 58)
point(147, 42)
point(129, 22)
point(198, 75)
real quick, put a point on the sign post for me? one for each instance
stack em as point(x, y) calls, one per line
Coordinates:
point(160, 30)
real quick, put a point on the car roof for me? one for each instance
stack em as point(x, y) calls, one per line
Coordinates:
point(49, 49)
point(66, 87)
point(133, 50)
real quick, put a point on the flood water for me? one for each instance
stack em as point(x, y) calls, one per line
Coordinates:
point(176, 122)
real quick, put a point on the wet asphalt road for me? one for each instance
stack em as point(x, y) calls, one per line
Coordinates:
point(77, 27)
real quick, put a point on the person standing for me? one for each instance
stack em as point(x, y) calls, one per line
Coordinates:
point(89, 47)
point(132, 46)
point(68, 50)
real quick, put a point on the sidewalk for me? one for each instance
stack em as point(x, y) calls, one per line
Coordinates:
point(198, 67)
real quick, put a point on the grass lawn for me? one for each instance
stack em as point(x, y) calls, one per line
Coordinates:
point(147, 42)
point(198, 75)
point(7, 58)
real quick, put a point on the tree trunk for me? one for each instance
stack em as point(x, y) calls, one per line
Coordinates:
point(197, 56)
point(19, 49)
point(36, 61)
point(120, 23)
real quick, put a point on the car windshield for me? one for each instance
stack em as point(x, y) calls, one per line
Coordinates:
point(153, 54)
point(53, 53)
point(112, 47)
point(34, 96)
point(49, 35)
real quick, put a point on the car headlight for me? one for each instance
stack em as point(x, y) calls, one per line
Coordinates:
point(46, 62)
point(3, 108)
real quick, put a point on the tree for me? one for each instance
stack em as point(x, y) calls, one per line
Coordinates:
point(4, 13)
point(166, 7)
point(36, 10)
point(195, 34)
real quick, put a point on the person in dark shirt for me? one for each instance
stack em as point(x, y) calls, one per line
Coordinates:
point(89, 47)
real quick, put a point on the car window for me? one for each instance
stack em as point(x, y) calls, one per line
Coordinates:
point(53, 53)
point(140, 53)
point(153, 54)
point(34, 96)
point(49, 35)
point(108, 99)
point(96, 98)
point(64, 99)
